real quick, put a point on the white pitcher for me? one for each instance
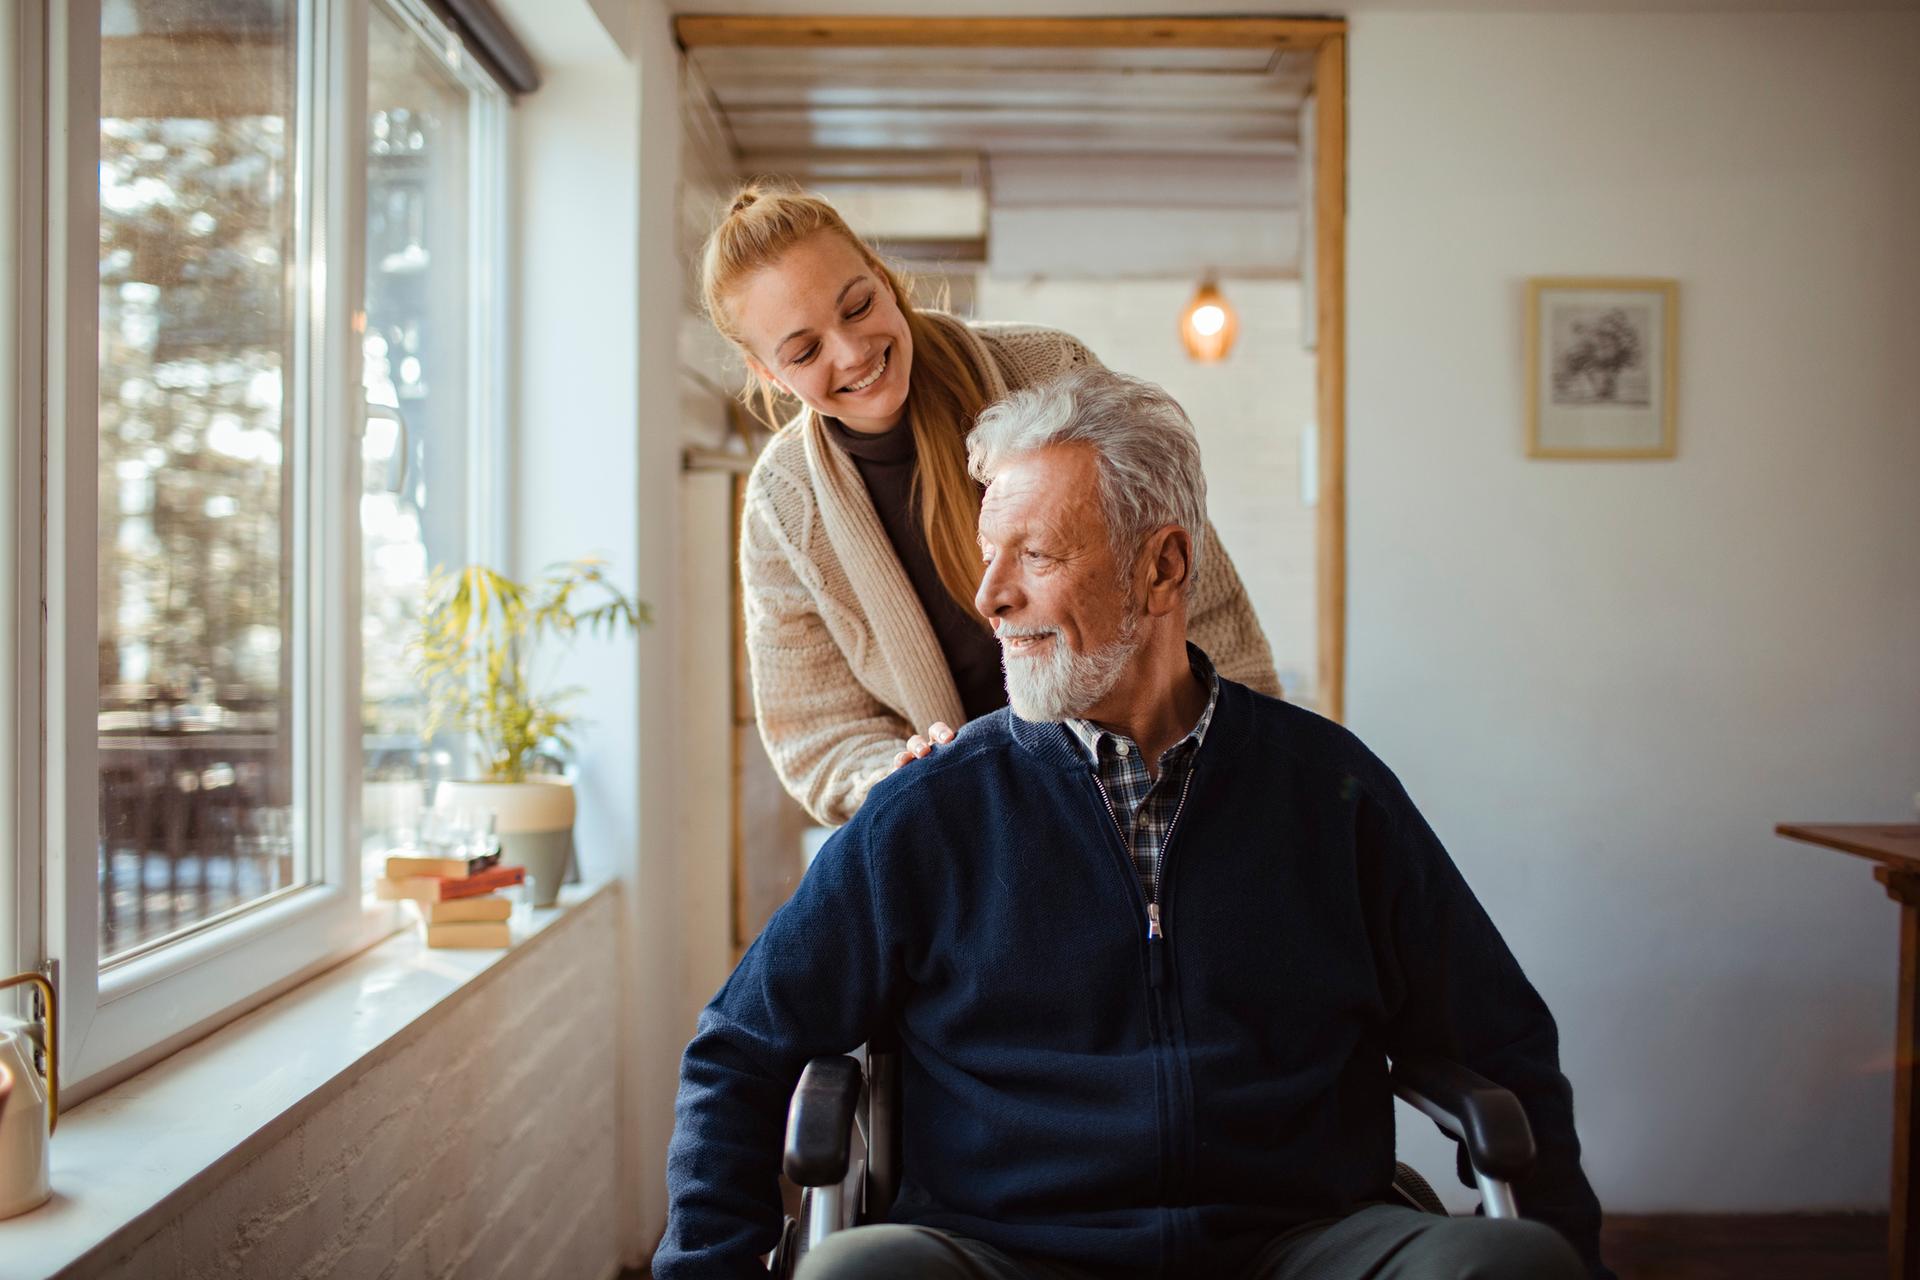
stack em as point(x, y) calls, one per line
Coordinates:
point(32, 1105)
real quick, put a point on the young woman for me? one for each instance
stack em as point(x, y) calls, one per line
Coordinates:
point(857, 547)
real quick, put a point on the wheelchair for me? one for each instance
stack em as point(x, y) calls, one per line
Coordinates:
point(843, 1142)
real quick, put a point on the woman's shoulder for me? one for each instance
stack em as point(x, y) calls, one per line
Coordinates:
point(785, 452)
point(780, 476)
point(1027, 354)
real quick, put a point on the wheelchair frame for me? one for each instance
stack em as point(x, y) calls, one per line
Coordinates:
point(839, 1190)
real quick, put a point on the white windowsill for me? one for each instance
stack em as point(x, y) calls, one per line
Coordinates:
point(123, 1160)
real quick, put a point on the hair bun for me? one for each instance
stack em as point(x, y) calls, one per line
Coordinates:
point(743, 200)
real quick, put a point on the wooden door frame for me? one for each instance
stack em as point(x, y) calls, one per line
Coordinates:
point(1326, 38)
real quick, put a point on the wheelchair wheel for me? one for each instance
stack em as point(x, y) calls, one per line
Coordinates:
point(1416, 1190)
point(787, 1254)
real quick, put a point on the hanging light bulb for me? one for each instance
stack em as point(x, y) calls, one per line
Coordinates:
point(1208, 325)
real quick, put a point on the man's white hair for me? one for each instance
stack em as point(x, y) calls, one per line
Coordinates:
point(1148, 456)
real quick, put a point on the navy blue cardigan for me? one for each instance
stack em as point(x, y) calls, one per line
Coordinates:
point(1075, 1092)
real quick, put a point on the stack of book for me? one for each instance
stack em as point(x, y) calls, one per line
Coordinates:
point(457, 899)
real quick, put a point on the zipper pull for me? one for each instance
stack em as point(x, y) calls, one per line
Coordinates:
point(1156, 947)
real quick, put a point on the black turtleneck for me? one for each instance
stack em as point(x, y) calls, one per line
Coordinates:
point(885, 462)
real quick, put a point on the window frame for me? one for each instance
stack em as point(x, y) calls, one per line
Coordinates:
point(23, 43)
point(117, 1017)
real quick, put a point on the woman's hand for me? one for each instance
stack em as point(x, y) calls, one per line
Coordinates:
point(918, 745)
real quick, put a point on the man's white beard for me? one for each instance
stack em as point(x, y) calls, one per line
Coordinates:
point(1061, 684)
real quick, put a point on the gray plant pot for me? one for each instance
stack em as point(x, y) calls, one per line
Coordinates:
point(545, 855)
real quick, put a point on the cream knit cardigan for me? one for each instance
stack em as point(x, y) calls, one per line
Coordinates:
point(845, 664)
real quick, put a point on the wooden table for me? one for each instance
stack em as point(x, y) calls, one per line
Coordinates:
point(1897, 850)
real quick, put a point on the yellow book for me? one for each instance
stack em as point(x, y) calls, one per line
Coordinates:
point(488, 934)
point(416, 888)
point(463, 910)
point(400, 866)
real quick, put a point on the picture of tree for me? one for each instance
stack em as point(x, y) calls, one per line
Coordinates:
point(1601, 360)
point(1597, 359)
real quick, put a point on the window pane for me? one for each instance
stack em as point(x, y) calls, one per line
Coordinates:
point(196, 369)
point(13, 142)
point(414, 504)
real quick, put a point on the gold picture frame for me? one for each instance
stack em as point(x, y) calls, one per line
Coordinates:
point(1602, 367)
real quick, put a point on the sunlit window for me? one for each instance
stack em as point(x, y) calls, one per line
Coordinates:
point(423, 423)
point(14, 140)
point(197, 449)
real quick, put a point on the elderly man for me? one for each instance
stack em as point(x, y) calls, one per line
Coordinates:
point(1146, 938)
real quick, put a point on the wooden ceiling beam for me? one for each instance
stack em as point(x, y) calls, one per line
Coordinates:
point(1015, 142)
point(709, 30)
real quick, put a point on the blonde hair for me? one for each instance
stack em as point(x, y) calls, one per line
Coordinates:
point(944, 393)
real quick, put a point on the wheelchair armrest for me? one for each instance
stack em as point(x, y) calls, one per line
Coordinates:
point(820, 1122)
point(1486, 1119)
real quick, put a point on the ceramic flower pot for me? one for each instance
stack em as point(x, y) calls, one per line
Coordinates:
point(31, 1101)
point(534, 820)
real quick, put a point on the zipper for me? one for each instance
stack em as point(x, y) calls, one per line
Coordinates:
point(1177, 1174)
point(1156, 931)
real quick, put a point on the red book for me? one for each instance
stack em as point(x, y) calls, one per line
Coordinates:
point(443, 888)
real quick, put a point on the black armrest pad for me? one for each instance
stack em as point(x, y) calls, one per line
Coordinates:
point(820, 1122)
point(1488, 1121)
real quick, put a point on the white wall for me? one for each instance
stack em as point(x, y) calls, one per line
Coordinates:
point(1105, 216)
point(597, 468)
point(705, 611)
point(1606, 682)
point(1248, 411)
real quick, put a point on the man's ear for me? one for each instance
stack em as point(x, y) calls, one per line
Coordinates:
point(1169, 558)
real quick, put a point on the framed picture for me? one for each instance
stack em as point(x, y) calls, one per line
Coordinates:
point(1601, 360)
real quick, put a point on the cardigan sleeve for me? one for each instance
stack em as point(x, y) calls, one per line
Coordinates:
point(1221, 621)
point(817, 981)
point(828, 738)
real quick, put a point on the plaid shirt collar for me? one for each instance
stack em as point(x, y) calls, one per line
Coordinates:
point(1103, 745)
point(1143, 806)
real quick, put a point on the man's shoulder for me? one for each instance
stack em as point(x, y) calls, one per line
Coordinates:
point(1286, 731)
point(968, 771)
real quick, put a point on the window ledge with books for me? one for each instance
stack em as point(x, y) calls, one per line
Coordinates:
point(270, 1069)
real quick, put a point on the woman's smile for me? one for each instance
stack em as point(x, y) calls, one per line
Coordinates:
point(871, 377)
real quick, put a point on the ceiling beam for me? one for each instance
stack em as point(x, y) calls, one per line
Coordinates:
point(870, 167)
point(800, 136)
point(704, 30)
point(990, 88)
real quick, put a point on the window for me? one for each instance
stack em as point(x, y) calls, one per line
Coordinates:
point(430, 247)
point(15, 237)
point(198, 455)
point(224, 742)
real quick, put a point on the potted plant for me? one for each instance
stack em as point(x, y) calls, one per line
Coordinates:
point(474, 658)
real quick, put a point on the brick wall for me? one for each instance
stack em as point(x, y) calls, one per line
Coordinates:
point(479, 1142)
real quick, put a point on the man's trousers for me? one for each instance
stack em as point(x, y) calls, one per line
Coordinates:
point(1381, 1242)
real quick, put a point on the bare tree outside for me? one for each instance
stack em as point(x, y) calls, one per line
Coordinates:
point(195, 541)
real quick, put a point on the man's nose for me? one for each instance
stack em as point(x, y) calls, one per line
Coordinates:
point(996, 594)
